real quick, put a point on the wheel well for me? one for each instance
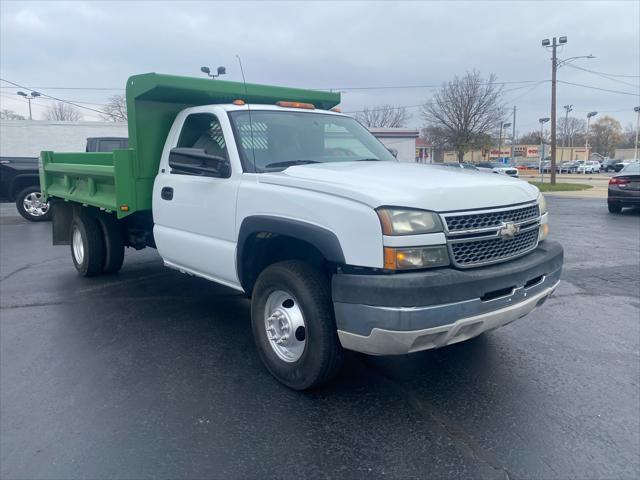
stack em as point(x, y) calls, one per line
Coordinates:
point(21, 182)
point(265, 248)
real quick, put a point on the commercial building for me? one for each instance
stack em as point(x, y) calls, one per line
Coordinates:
point(401, 141)
point(27, 138)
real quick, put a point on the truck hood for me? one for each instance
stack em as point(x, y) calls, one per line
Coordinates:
point(412, 185)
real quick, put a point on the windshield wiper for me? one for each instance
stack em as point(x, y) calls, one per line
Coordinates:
point(367, 160)
point(289, 163)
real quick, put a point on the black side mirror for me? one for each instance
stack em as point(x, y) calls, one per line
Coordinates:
point(195, 161)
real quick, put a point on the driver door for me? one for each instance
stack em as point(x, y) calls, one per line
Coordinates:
point(195, 215)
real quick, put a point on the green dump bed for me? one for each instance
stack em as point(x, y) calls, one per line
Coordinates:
point(122, 181)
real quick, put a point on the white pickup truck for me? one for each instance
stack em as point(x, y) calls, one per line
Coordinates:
point(338, 245)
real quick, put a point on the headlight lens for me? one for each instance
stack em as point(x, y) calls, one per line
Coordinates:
point(415, 257)
point(397, 221)
point(542, 204)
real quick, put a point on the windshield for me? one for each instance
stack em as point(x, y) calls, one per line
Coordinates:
point(276, 140)
point(631, 168)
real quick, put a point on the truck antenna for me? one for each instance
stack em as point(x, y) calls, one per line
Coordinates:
point(246, 94)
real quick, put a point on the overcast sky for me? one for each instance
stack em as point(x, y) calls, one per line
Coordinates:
point(50, 45)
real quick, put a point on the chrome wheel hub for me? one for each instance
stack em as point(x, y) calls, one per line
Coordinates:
point(34, 205)
point(284, 323)
point(77, 245)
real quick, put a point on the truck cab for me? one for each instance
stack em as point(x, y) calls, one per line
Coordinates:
point(337, 244)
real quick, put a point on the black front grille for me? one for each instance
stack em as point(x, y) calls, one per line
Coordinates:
point(477, 252)
point(491, 219)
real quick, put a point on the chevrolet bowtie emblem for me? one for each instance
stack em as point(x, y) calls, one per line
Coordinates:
point(509, 230)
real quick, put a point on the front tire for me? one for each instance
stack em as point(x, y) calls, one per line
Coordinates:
point(614, 208)
point(30, 205)
point(87, 245)
point(293, 325)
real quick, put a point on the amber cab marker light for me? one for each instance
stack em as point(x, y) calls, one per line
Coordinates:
point(336, 109)
point(390, 258)
point(238, 102)
point(308, 106)
point(124, 208)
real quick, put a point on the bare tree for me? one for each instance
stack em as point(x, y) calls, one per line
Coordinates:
point(10, 115)
point(571, 131)
point(605, 134)
point(116, 109)
point(628, 137)
point(62, 112)
point(466, 109)
point(383, 116)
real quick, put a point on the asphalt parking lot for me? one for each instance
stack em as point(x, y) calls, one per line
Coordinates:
point(153, 374)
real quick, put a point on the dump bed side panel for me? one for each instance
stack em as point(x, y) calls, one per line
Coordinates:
point(103, 180)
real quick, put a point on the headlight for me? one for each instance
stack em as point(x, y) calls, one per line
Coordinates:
point(542, 204)
point(415, 257)
point(397, 221)
point(544, 226)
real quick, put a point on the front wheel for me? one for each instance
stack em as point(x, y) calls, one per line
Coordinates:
point(293, 325)
point(614, 208)
point(31, 206)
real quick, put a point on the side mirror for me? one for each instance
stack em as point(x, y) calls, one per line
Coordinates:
point(194, 161)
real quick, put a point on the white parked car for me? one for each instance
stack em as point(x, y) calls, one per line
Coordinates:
point(590, 166)
point(499, 168)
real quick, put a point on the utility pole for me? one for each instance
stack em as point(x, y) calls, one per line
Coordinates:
point(586, 135)
point(554, 44)
point(554, 70)
point(29, 97)
point(635, 152)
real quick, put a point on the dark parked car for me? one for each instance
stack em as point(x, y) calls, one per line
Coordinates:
point(465, 166)
point(106, 144)
point(624, 188)
point(609, 164)
point(20, 181)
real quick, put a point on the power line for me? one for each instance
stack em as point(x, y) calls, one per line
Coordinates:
point(54, 98)
point(72, 88)
point(399, 87)
point(603, 75)
point(601, 89)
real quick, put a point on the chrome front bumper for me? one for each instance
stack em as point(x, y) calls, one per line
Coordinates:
point(394, 342)
point(403, 313)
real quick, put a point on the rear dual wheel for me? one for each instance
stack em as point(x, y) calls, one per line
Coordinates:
point(96, 244)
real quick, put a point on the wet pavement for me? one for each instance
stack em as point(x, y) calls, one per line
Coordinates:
point(153, 374)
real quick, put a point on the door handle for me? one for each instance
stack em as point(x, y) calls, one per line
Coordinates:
point(167, 193)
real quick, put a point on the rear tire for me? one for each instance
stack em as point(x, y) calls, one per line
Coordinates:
point(113, 243)
point(288, 295)
point(30, 206)
point(87, 245)
point(614, 208)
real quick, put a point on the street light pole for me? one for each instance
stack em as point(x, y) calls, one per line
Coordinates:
point(29, 97)
point(635, 152)
point(554, 44)
point(586, 136)
point(554, 70)
point(502, 126)
point(541, 153)
point(567, 108)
